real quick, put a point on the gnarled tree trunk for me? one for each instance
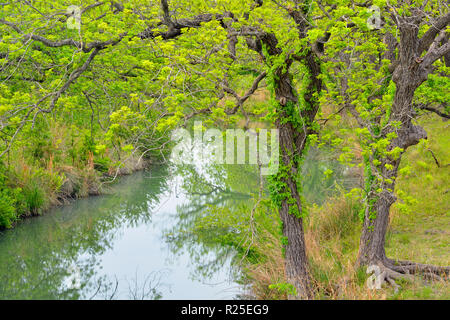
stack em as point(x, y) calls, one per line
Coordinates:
point(293, 134)
point(296, 264)
point(292, 145)
point(373, 237)
point(410, 71)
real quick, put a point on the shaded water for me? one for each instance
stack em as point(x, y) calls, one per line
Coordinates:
point(121, 246)
point(112, 246)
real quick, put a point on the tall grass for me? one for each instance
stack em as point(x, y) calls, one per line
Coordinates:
point(54, 167)
point(332, 238)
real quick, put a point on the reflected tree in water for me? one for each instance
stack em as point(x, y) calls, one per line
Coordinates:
point(38, 258)
point(198, 230)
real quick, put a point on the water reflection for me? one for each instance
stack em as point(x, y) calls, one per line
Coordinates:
point(317, 186)
point(139, 242)
point(117, 246)
point(230, 186)
point(39, 256)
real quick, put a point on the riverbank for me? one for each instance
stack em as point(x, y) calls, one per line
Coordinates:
point(121, 245)
point(57, 163)
point(35, 191)
point(419, 231)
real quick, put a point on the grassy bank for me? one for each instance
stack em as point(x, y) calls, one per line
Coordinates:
point(57, 163)
point(419, 230)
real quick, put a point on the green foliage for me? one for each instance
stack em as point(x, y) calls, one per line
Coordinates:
point(284, 288)
point(102, 164)
point(230, 227)
point(361, 276)
point(34, 199)
point(12, 202)
point(7, 210)
point(84, 127)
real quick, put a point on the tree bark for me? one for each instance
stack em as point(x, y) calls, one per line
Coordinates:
point(296, 263)
point(291, 148)
point(376, 219)
point(407, 76)
point(373, 237)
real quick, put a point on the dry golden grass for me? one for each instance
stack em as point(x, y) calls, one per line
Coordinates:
point(268, 271)
point(332, 237)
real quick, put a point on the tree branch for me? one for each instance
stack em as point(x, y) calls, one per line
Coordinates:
point(66, 42)
point(435, 52)
point(429, 36)
point(436, 111)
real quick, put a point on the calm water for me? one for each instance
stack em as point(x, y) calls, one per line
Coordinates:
point(124, 245)
point(117, 246)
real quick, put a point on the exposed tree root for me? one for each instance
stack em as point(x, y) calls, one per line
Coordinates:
point(389, 270)
point(429, 270)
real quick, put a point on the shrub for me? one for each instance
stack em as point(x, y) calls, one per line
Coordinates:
point(102, 164)
point(7, 210)
point(34, 199)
